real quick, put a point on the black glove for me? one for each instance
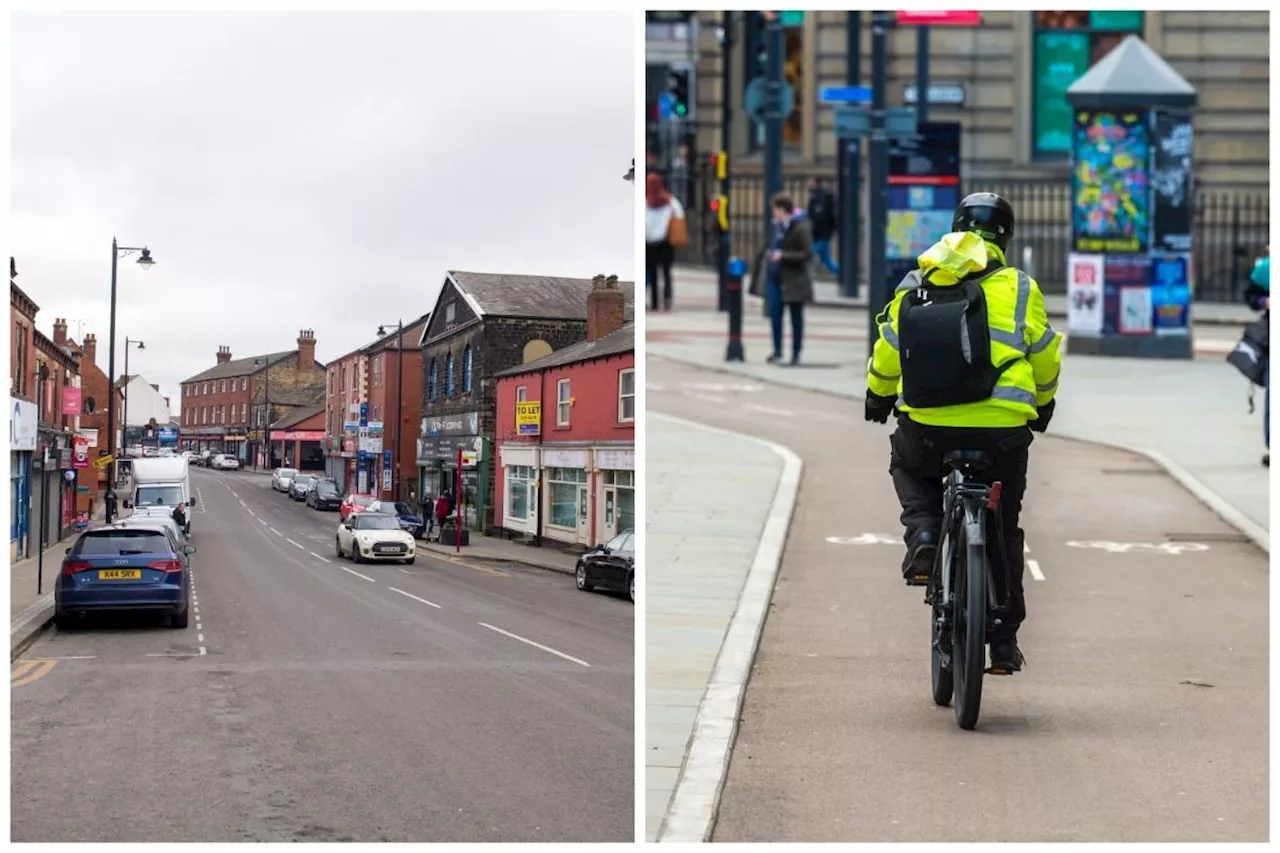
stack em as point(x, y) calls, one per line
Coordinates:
point(879, 408)
point(1041, 423)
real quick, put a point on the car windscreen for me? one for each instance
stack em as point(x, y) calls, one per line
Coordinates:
point(304, 479)
point(361, 500)
point(376, 522)
point(287, 472)
point(159, 495)
point(326, 488)
point(121, 543)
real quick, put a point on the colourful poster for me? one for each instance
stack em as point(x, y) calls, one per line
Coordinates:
point(1121, 272)
point(1171, 293)
point(1084, 295)
point(1109, 188)
point(1135, 310)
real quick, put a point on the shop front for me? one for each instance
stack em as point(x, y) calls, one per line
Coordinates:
point(440, 440)
point(24, 436)
point(566, 511)
point(301, 449)
point(237, 444)
point(615, 493)
point(519, 492)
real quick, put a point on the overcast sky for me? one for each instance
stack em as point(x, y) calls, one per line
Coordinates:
point(309, 170)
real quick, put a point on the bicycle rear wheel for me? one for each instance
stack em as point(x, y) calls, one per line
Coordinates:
point(969, 655)
point(942, 658)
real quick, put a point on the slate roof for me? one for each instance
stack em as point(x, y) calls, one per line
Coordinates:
point(388, 340)
point(615, 343)
point(1131, 75)
point(297, 417)
point(240, 367)
point(534, 296)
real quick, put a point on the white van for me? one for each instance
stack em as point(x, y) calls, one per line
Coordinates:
point(160, 483)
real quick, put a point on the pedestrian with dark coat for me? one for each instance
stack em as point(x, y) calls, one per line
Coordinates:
point(1257, 295)
point(822, 214)
point(782, 276)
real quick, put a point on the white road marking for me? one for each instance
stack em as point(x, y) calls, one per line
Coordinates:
point(262, 521)
point(415, 598)
point(69, 657)
point(176, 654)
point(200, 497)
point(199, 626)
point(535, 645)
point(769, 410)
point(1033, 566)
point(199, 638)
point(295, 544)
point(1173, 548)
point(203, 651)
point(251, 512)
point(318, 557)
point(243, 504)
point(233, 492)
point(357, 574)
point(708, 397)
point(273, 530)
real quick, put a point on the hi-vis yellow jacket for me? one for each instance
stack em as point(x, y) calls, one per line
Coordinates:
point(1019, 330)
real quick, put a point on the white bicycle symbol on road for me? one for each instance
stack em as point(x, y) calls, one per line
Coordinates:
point(1171, 548)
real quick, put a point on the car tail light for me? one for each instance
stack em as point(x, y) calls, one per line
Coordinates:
point(70, 567)
point(167, 566)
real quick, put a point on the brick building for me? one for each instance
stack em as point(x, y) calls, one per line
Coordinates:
point(297, 440)
point(568, 464)
point(225, 407)
point(370, 375)
point(483, 324)
point(93, 423)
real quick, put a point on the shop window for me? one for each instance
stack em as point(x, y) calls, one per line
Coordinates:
point(563, 402)
point(627, 395)
point(518, 479)
point(624, 483)
point(563, 488)
point(448, 376)
point(1066, 45)
point(466, 370)
point(433, 380)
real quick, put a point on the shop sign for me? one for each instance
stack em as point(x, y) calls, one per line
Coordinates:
point(467, 423)
point(444, 448)
point(564, 458)
point(90, 435)
point(297, 435)
point(616, 460)
point(72, 400)
point(348, 444)
point(24, 427)
point(240, 437)
point(80, 455)
point(370, 439)
point(529, 417)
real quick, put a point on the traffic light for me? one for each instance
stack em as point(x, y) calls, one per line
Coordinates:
point(678, 88)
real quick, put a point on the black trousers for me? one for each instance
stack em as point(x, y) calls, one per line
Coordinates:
point(915, 463)
point(658, 257)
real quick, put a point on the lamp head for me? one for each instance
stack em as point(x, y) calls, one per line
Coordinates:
point(145, 261)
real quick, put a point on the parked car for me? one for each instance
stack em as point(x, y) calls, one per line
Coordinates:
point(300, 485)
point(353, 504)
point(226, 462)
point(282, 477)
point(610, 566)
point(151, 517)
point(125, 567)
point(324, 495)
point(409, 518)
point(374, 536)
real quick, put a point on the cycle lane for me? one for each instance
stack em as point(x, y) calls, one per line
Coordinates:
point(1142, 714)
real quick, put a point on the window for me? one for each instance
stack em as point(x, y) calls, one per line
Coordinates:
point(522, 393)
point(564, 486)
point(377, 372)
point(624, 484)
point(20, 359)
point(562, 402)
point(1066, 45)
point(244, 413)
point(466, 370)
point(206, 387)
point(433, 381)
point(448, 376)
point(204, 414)
point(519, 478)
point(244, 383)
point(450, 312)
point(627, 395)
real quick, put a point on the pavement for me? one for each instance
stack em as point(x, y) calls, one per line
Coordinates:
point(317, 700)
point(1142, 714)
point(1128, 403)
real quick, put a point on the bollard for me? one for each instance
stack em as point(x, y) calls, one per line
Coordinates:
point(737, 270)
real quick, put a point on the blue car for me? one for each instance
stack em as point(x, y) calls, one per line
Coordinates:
point(410, 521)
point(135, 568)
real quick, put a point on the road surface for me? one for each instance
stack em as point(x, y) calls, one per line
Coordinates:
point(315, 700)
point(1142, 714)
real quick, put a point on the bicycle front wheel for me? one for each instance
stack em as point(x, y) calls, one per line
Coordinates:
point(970, 656)
point(942, 660)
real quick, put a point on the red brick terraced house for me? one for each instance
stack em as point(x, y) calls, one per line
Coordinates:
point(566, 434)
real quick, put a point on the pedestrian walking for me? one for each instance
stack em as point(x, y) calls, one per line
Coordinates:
point(1258, 297)
point(821, 211)
point(665, 230)
point(781, 274)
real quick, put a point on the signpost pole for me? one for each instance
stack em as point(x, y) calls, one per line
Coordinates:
point(922, 75)
point(851, 169)
point(722, 161)
point(457, 502)
point(878, 174)
point(734, 270)
point(44, 520)
point(772, 119)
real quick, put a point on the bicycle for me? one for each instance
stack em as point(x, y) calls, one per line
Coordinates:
point(966, 597)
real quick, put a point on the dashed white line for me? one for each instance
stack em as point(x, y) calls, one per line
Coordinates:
point(357, 574)
point(708, 397)
point(273, 530)
point(535, 645)
point(1034, 567)
point(200, 497)
point(243, 504)
point(199, 638)
point(415, 598)
point(262, 521)
point(318, 557)
point(203, 651)
point(295, 544)
point(69, 657)
point(769, 410)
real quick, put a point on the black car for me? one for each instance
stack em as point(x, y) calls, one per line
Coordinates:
point(324, 495)
point(300, 485)
point(610, 566)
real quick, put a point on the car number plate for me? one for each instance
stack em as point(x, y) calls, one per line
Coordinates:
point(388, 547)
point(120, 574)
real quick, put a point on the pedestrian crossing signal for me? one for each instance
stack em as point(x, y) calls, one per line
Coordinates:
point(679, 91)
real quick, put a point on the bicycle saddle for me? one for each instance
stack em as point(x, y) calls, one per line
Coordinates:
point(967, 460)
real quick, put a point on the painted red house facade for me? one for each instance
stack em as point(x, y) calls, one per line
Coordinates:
point(566, 435)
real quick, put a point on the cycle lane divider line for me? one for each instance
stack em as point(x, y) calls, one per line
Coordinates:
point(536, 645)
point(415, 598)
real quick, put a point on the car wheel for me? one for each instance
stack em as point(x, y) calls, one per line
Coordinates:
point(337, 546)
point(580, 577)
point(355, 553)
point(631, 588)
point(180, 620)
point(62, 622)
point(409, 562)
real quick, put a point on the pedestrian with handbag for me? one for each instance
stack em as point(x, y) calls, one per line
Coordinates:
point(665, 231)
point(782, 274)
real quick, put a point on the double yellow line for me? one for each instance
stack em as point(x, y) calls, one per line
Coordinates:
point(27, 671)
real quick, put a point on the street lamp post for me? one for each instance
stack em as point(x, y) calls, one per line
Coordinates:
point(145, 262)
point(140, 345)
point(395, 452)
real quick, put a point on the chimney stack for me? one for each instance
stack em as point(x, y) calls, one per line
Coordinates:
point(60, 332)
point(605, 307)
point(224, 355)
point(306, 349)
point(91, 348)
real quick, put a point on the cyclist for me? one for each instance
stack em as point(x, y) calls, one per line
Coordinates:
point(968, 359)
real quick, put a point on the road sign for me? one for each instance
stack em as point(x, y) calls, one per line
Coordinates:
point(791, 19)
point(844, 94)
point(103, 461)
point(947, 95)
point(753, 100)
point(940, 18)
point(853, 121)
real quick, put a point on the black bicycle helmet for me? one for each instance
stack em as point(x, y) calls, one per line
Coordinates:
point(987, 215)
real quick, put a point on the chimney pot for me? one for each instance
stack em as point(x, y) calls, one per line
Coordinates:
point(606, 307)
point(224, 354)
point(60, 332)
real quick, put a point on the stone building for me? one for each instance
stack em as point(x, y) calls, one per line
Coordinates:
point(483, 324)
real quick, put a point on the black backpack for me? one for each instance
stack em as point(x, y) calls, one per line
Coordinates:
point(1251, 355)
point(945, 343)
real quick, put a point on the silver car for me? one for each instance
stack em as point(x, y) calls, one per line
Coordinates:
point(282, 478)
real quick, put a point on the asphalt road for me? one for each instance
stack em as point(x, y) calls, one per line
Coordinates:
point(317, 700)
point(1142, 714)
